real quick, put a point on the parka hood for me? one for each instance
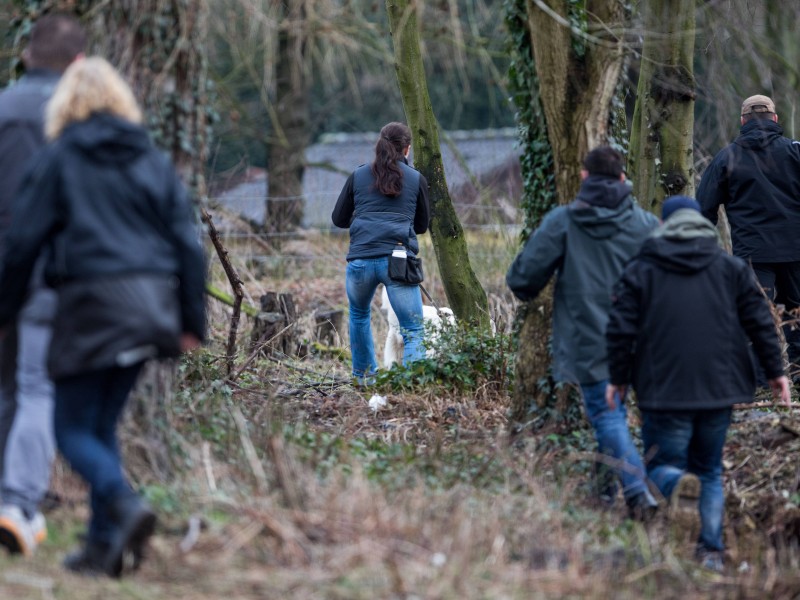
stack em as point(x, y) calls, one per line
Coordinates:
point(603, 190)
point(758, 133)
point(599, 222)
point(686, 243)
point(602, 207)
point(106, 138)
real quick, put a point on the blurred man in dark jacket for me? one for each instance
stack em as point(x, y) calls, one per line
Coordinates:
point(757, 180)
point(27, 446)
point(587, 244)
point(678, 332)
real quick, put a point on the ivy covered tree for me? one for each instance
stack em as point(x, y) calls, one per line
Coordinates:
point(661, 160)
point(532, 367)
point(569, 55)
point(159, 46)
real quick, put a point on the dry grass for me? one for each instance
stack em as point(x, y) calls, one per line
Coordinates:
point(285, 484)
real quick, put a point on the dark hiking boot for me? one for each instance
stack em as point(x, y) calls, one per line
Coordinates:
point(90, 559)
point(642, 507)
point(136, 522)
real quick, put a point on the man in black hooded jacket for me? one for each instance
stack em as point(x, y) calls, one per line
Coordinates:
point(678, 330)
point(757, 180)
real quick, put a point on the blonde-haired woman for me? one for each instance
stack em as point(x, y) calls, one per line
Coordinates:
point(121, 248)
point(91, 86)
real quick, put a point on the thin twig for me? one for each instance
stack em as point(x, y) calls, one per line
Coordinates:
point(261, 345)
point(236, 286)
point(283, 472)
point(764, 404)
point(212, 483)
point(249, 449)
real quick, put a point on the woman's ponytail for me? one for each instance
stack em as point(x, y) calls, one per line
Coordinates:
point(393, 140)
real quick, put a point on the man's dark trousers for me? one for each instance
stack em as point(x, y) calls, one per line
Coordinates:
point(781, 282)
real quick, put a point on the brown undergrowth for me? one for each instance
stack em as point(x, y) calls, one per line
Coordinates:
point(284, 483)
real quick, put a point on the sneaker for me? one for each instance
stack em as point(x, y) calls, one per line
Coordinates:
point(712, 560)
point(19, 534)
point(39, 526)
point(685, 494)
point(642, 507)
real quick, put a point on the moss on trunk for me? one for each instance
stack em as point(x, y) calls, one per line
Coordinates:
point(661, 161)
point(464, 292)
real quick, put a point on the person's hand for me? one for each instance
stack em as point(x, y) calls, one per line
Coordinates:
point(780, 390)
point(189, 342)
point(612, 391)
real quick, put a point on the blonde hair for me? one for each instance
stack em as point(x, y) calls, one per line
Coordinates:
point(88, 86)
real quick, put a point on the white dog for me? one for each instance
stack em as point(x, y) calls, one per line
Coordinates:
point(433, 319)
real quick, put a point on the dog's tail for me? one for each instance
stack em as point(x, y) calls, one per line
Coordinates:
point(385, 304)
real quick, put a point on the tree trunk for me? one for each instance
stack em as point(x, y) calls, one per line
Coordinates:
point(464, 292)
point(661, 161)
point(577, 79)
point(158, 45)
point(291, 122)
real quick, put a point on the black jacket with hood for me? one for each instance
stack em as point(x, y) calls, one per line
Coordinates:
point(757, 179)
point(121, 246)
point(587, 243)
point(682, 315)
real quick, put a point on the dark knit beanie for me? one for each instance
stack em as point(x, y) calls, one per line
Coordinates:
point(674, 203)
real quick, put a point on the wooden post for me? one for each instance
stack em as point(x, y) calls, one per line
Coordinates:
point(328, 324)
point(274, 329)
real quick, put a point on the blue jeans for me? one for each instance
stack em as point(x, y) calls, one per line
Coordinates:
point(614, 437)
point(690, 440)
point(87, 409)
point(363, 277)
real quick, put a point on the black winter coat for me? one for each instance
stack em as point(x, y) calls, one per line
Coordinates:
point(679, 325)
point(757, 179)
point(118, 232)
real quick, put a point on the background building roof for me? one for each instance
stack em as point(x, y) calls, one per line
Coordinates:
point(468, 157)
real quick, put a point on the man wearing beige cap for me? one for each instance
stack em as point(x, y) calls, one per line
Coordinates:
point(757, 180)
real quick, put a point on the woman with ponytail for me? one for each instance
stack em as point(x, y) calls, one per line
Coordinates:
point(385, 206)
